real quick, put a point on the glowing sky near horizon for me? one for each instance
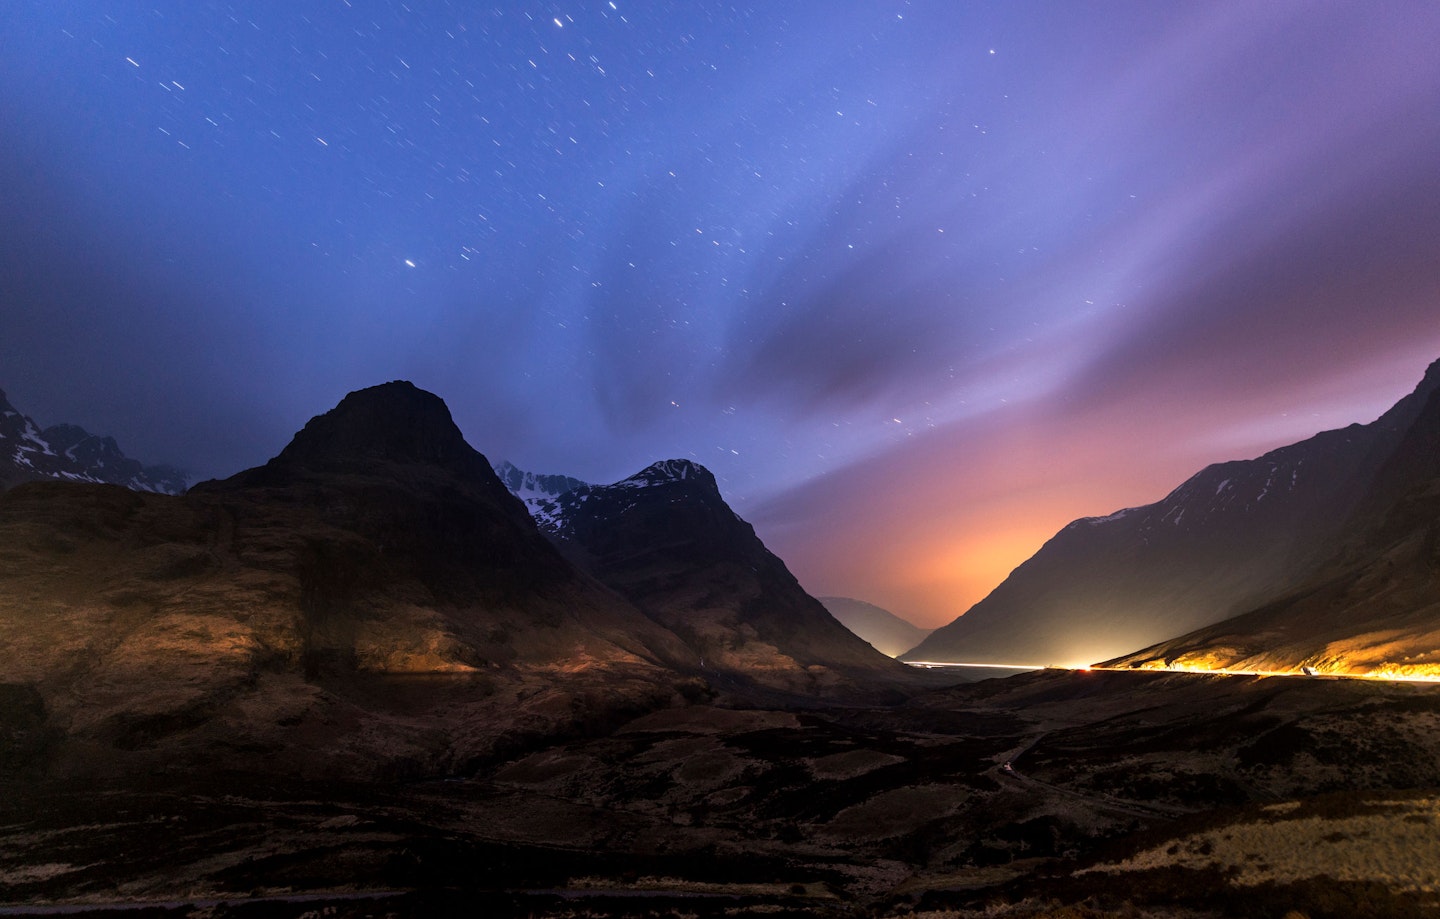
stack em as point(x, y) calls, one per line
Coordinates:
point(920, 281)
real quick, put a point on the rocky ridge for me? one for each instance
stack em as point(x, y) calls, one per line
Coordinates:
point(70, 453)
point(666, 540)
point(534, 488)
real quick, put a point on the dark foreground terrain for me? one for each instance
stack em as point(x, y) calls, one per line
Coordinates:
point(1046, 794)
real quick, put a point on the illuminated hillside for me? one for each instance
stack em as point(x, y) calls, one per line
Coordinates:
point(1374, 608)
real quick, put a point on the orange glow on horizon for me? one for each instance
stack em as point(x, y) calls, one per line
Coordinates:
point(967, 568)
point(929, 529)
point(930, 568)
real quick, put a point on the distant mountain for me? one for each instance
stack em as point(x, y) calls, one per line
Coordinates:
point(533, 488)
point(70, 453)
point(1226, 540)
point(885, 631)
point(666, 540)
point(1372, 607)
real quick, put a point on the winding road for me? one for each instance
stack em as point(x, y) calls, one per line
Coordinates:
point(1005, 772)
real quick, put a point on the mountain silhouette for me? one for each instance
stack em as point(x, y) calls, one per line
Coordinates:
point(1227, 539)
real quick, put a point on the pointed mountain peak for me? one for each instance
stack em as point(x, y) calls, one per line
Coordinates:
point(394, 422)
point(508, 471)
point(672, 470)
point(78, 443)
point(1429, 384)
point(1405, 412)
point(64, 436)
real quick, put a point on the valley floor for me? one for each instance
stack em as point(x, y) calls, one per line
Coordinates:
point(1045, 794)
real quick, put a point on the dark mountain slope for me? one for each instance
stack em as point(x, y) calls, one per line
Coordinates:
point(1228, 538)
point(666, 540)
point(370, 602)
point(1373, 607)
point(389, 465)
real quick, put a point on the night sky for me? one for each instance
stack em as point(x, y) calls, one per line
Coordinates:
point(920, 281)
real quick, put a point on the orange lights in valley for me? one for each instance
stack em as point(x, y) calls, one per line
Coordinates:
point(1397, 673)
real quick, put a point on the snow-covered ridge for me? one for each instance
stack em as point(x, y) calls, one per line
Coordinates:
point(1236, 490)
point(1108, 518)
point(70, 453)
point(665, 471)
point(528, 486)
point(552, 499)
point(538, 491)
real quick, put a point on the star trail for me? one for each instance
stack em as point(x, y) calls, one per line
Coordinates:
point(920, 281)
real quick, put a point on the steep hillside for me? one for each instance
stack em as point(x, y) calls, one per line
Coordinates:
point(1227, 539)
point(666, 540)
point(1372, 608)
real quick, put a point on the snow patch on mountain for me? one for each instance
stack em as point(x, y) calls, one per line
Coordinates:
point(68, 452)
point(552, 498)
point(665, 472)
point(537, 490)
point(1109, 518)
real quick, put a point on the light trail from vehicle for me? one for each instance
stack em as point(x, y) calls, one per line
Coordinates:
point(933, 664)
point(1384, 676)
